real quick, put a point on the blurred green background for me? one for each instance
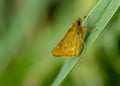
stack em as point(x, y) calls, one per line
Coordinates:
point(30, 29)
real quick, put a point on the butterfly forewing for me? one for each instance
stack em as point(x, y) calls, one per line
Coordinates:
point(69, 45)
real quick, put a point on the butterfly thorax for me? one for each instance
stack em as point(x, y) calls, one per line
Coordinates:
point(78, 28)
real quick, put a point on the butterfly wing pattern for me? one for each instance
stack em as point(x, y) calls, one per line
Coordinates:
point(71, 44)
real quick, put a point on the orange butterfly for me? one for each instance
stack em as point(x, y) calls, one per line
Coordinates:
point(71, 44)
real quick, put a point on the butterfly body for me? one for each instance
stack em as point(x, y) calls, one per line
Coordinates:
point(71, 44)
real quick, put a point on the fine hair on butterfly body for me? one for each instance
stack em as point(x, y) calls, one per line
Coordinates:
point(72, 42)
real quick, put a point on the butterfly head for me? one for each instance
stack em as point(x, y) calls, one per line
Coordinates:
point(78, 21)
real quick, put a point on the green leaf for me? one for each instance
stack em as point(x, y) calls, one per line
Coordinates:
point(98, 17)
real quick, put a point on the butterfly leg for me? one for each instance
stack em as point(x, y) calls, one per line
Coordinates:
point(84, 44)
point(91, 30)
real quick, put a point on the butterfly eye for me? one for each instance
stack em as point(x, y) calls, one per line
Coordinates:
point(78, 23)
